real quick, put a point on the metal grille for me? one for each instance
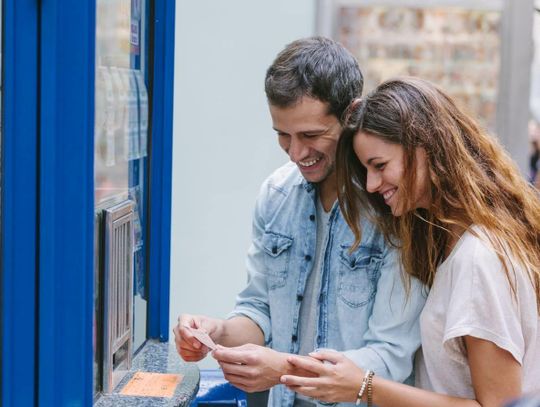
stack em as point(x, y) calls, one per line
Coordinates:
point(118, 293)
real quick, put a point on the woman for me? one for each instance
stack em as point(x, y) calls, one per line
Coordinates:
point(467, 225)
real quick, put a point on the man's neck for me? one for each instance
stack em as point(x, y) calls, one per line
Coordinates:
point(328, 192)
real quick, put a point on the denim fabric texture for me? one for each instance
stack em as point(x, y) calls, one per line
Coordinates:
point(364, 308)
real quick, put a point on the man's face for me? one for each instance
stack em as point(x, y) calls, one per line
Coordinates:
point(309, 135)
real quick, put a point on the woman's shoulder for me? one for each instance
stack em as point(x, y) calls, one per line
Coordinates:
point(481, 256)
point(475, 246)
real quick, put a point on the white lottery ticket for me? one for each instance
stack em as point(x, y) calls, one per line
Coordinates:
point(202, 336)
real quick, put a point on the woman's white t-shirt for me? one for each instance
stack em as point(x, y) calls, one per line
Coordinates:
point(471, 296)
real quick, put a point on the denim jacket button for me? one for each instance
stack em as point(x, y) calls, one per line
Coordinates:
point(307, 257)
point(274, 249)
point(294, 338)
point(312, 218)
point(299, 297)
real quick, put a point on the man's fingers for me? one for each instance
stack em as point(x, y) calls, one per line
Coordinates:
point(238, 381)
point(191, 352)
point(187, 336)
point(188, 352)
point(230, 355)
point(183, 334)
point(236, 369)
point(193, 358)
point(188, 320)
point(188, 346)
point(248, 385)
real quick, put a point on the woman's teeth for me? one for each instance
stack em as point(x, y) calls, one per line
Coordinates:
point(388, 194)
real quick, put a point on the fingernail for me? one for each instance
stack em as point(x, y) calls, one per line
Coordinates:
point(283, 379)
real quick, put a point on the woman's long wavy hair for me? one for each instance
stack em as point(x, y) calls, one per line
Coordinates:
point(472, 181)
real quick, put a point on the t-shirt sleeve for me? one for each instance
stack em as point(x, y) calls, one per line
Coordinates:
point(482, 304)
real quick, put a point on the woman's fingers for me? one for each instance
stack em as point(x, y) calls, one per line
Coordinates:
point(291, 380)
point(330, 355)
point(314, 366)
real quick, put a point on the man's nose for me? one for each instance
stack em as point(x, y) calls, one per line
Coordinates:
point(297, 150)
point(373, 182)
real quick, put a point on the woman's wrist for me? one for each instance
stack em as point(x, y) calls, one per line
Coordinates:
point(366, 389)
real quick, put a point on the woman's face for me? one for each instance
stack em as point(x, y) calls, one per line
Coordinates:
point(385, 167)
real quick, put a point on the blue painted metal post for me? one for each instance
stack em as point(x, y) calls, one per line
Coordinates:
point(161, 169)
point(66, 192)
point(19, 202)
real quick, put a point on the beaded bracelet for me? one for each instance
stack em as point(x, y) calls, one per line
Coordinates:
point(370, 389)
point(365, 384)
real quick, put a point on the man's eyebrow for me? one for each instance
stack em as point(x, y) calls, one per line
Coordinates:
point(314, 131)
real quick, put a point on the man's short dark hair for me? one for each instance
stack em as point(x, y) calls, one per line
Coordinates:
point(316, 67)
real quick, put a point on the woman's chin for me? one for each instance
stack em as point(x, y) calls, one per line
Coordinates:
point(396, 212)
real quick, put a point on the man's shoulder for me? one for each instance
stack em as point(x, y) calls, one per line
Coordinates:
point(278, 192)
point(283, 179)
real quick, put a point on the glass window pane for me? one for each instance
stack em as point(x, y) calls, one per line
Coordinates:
point(112, 94)
point(121, 134)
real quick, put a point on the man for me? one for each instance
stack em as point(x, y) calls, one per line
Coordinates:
point(306, 289)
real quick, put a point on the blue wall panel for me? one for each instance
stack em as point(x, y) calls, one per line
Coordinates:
point(48, 197)
point(66, 175)
point(161, 169)
point(19, 202)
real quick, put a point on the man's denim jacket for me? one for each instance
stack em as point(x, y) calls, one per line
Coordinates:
point(364, 309)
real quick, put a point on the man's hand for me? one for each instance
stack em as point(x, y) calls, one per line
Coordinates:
point(254, 368)
point(189, 347)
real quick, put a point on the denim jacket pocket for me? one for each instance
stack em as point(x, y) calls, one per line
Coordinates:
point(358, 275)
point(276, 247)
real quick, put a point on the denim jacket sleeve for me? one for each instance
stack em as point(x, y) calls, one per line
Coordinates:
point(393, 334)
point(252, 301)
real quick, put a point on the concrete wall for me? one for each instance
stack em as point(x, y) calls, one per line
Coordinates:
point(224, 145)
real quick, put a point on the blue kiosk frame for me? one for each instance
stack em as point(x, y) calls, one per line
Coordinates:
point(47, 207)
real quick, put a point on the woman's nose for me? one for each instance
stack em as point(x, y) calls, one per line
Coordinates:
point(373, 182)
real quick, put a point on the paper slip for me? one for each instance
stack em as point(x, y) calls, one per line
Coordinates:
point(147, 384)
point(202, 337)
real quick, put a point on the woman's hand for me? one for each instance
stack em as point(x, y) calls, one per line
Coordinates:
point(338, 378)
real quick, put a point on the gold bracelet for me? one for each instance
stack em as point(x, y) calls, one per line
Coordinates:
point(370, 389)
point(369, 373)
